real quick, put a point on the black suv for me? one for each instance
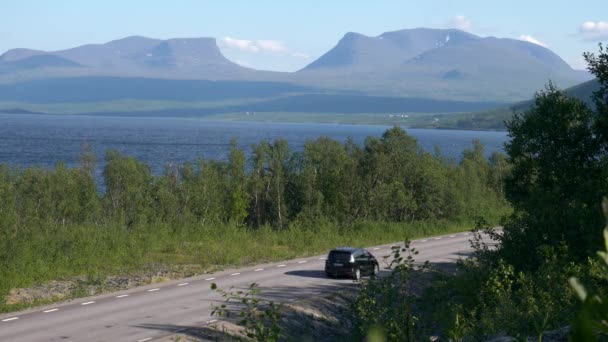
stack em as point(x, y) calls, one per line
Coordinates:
point(353, 262)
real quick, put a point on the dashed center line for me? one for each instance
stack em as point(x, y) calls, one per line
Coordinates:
point(321, 258)
point(258, 270)
point(152, 290)
point(10, 319)
point(376, 248)
point(452, 236)
point(437, 238)
point(302, 262)
point(235, 274)
point(145, 339)
point(122, 296)
point(183, 284)
point(212, 321)
point(51, 310)
point(280, 265)
point(209, 278)
point(87, 303)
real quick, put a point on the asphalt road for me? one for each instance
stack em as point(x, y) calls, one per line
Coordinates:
point(156, 311)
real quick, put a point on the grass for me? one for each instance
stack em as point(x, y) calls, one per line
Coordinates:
point(95, 252)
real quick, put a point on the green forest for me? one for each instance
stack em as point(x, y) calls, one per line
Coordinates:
point(58, 223)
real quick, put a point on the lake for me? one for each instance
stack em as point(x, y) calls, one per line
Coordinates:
point(43, 140)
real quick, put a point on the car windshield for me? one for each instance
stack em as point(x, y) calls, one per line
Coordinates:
point(339, 256)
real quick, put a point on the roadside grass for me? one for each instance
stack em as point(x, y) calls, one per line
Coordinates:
point(95, 252)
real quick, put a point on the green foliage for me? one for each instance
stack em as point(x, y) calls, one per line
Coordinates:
point(555, 182)
point(259, 318)
point(591, 322)
point(558, 154)
point(384, 306)
point(555, 176)
point(54, 223)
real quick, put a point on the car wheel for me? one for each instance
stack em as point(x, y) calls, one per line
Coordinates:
point(376, 271)
point(357, 275)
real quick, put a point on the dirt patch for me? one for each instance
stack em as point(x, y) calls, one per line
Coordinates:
point(82, 286)
point(321, 318)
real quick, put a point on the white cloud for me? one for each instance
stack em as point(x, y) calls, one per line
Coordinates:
point(460, 22)
point(594, 30)
point(271, 46)
point(239, 44)
point(263, 45)
point(300, 55)
point(530, 39)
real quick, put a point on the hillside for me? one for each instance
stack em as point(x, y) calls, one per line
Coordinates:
point(181, 58)
point(434, 66)
point(495, 118)
point(450, 64)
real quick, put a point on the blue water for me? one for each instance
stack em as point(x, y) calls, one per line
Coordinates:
point(43, 140)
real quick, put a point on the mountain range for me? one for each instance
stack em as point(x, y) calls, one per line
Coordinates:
point(432, 64)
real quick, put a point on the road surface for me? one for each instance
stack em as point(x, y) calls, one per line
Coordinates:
point(156, 311)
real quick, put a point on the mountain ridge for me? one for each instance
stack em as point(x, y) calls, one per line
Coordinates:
point(420, 62)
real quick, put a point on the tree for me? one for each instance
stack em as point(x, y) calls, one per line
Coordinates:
point(555, 185)
point(239, 198)
point(128, 186)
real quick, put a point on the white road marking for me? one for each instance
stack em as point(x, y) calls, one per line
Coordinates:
point(10, 319)
point(315, 293)
point(145, 339)
point(122, 296)
point(209, 278)
point(321, 258)
point(302, 262)
point(235, 274)
point(212, 321)
point(152, 290)
point(258, 270)
point(424, 240)
point(292, 299)
point(87, 303)
point(280, 265)
point(182, 284)
point(452, 236)
point(465, 234)
point(376, 248)
point(51, 310)
point(437, 238)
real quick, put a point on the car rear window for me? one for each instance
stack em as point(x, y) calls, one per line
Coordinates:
point(339, 256)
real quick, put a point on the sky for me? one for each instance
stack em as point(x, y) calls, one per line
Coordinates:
point(286, 35)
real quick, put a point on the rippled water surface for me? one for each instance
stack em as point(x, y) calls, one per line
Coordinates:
point(43, 140)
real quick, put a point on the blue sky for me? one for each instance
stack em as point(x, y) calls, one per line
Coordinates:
point(287, 34)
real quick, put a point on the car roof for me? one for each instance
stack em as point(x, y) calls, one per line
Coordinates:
point(346, 249)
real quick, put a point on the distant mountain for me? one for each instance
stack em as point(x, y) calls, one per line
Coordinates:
point(447, 65)
point(357, 52)
point(38, 61)
point(191, 58)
